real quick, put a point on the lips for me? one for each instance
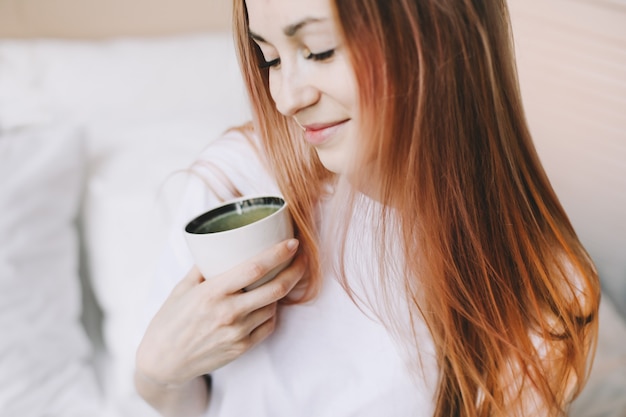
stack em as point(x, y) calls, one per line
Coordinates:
point(319, 133)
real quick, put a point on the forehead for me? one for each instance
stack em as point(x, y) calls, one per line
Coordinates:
point(264, 15)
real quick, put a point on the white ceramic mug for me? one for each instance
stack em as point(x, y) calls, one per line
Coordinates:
point(216, 251)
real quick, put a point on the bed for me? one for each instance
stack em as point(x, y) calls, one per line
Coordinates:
point(101, 103)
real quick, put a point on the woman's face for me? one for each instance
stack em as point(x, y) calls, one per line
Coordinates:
point(310, 76)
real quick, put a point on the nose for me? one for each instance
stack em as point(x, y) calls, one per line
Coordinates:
point(292, 90)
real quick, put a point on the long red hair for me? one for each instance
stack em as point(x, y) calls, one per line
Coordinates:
point(492, 261)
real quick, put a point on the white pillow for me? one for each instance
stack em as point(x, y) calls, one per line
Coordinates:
point(44, 352)
point(165, 100)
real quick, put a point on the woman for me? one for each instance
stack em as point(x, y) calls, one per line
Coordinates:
point(437, 273)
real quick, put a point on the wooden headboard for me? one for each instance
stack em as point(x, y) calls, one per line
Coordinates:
point(93, 19)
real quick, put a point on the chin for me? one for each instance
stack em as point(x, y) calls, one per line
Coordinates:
point(334, 165)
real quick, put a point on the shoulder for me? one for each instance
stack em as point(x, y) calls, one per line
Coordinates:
point(239, 143)
point(577, 279)
point(235, 162)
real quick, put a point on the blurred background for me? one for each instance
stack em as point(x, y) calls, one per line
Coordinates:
point(102, 101)
point(71, 19)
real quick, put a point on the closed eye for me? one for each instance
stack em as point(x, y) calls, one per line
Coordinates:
point(261, 59)
point(322, 56)
point(268, 64)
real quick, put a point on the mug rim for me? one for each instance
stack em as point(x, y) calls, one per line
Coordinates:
point(231, 205)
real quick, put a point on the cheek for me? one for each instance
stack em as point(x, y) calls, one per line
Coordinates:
point(345, 87)
point(352, 92)
point(274, 85)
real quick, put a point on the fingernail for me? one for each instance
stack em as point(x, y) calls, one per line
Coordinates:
point(292, 244)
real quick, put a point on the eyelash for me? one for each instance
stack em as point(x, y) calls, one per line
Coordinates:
point(268, 64)
point(322, 56)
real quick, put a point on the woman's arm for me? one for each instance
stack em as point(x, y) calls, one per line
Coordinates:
point(189, 399)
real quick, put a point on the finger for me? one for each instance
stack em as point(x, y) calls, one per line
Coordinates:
point(262, 331)
point(258, 317)
point(251, 271)
point(275, 289)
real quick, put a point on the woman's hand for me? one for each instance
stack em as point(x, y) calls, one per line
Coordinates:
point(205, 324)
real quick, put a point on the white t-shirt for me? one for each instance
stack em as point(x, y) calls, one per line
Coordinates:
point(327, 357)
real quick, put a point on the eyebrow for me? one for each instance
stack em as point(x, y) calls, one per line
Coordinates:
point(289, 30)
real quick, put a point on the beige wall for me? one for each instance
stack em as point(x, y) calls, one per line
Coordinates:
point(106, 18)
point(572, 67)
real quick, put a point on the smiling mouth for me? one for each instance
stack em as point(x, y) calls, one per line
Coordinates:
point(319, 133)
point(316, 127)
